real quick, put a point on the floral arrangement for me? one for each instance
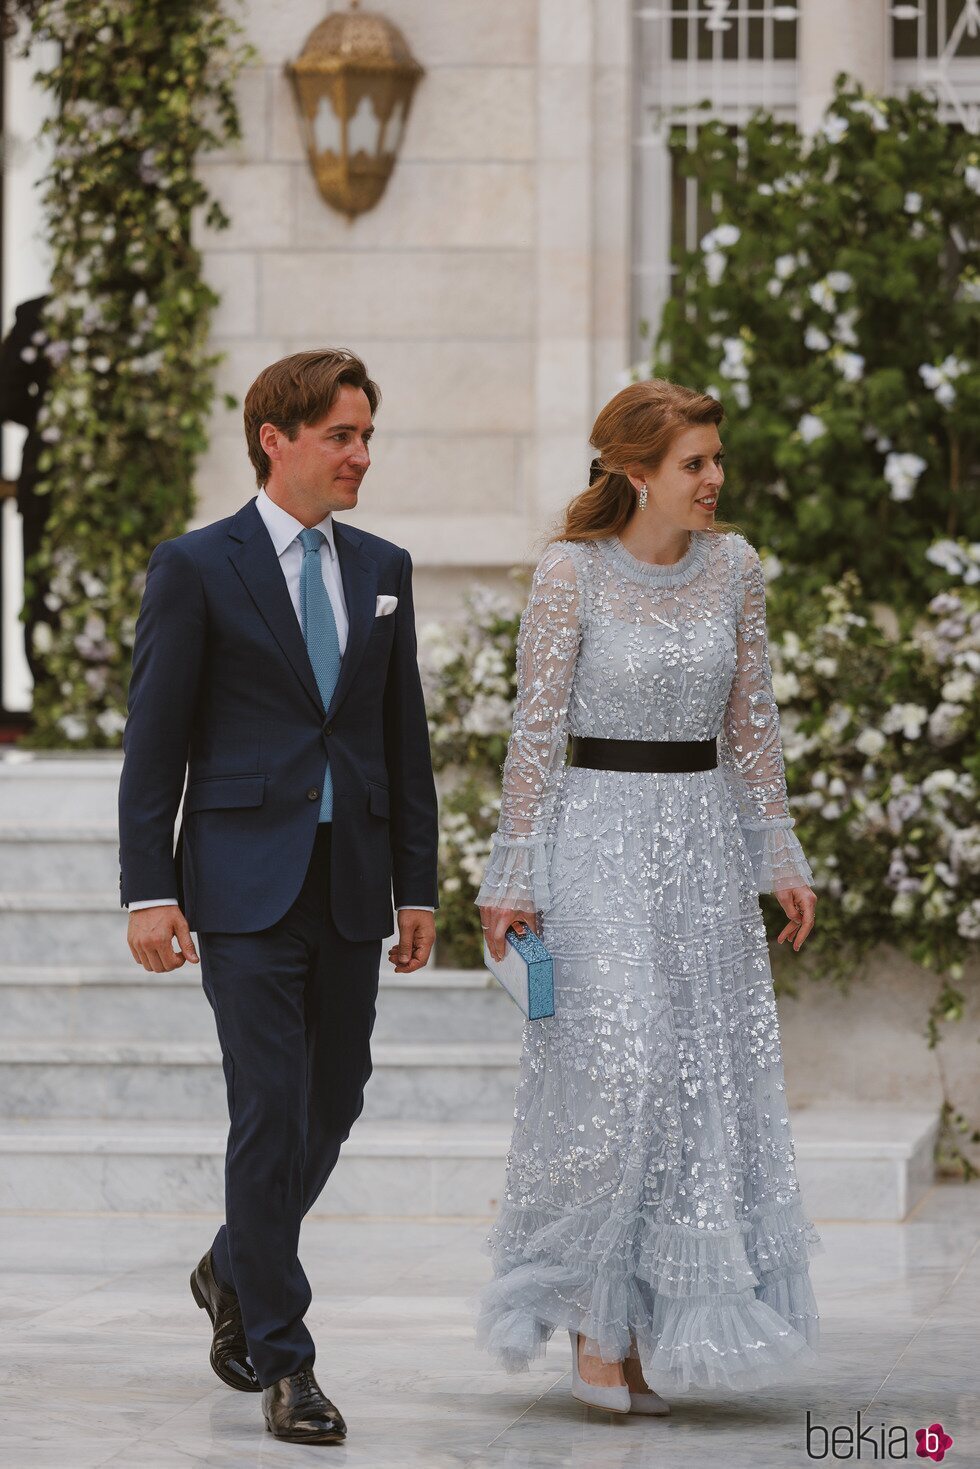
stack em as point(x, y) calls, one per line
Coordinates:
point(140, 89)
point(833, 307)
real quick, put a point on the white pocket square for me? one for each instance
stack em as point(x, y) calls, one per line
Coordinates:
point(385, 605)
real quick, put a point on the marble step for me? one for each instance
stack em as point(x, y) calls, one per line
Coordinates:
point(72, 1002)
point(869, 1164)
point(48, 928)
point(58, 856)
point(145, 1079)
point(49, 787)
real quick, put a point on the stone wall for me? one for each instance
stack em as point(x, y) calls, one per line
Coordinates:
point(487, 291)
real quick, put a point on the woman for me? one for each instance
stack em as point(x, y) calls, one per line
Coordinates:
point(652, 1205)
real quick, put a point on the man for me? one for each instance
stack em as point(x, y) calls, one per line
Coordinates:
point(275, 660)
point(25, 372)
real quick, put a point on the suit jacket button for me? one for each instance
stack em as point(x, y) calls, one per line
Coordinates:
point(328, 729)
point(313, 794)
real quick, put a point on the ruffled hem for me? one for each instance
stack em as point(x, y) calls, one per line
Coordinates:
point(516, 875)
point(730, 1309)
point(777, 858)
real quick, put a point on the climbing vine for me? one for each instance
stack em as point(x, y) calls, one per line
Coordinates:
point(140, 89)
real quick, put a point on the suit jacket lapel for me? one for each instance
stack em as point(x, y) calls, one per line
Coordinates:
point(255, 560)
point(359, 575)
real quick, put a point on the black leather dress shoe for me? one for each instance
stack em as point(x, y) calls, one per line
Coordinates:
point(229, 1349)
point(296, 1410)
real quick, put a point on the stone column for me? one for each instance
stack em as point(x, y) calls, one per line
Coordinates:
point(834, 36)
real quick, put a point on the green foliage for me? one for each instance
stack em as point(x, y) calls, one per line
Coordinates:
point(141, 87)
point(834, 308)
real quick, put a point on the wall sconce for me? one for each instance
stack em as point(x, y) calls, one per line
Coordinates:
point(354, 82)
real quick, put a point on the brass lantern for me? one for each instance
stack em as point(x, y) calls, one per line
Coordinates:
point(354, 82)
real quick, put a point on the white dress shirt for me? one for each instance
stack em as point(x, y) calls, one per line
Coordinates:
point(284, 532)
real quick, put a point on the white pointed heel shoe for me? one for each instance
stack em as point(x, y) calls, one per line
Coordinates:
point(613, 1399)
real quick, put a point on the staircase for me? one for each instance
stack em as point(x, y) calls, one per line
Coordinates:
point(111, 1091)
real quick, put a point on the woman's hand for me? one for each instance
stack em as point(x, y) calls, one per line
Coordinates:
point(496, 922)
point(798, 904)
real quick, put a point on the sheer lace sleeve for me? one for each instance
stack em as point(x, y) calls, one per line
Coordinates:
point(547, 648)
point(750, 750)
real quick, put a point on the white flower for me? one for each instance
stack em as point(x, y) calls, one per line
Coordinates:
point(785, 686)
point(72, 727)
point(960, 688)
point(852, 901)
point(940, 379)
point(946, 724)
point(101, 364)
point(723, 235)
point(936, 906)
point(939, 780)
point(784, 266)
point(771, 566)
point(734, 364)
point(43, 637)
point(874, 110)
point(714, 265)
point(902, 471)
point(907, 718)
point(870, 742)
point(775, 288)
point(111, 722)
point(741, 394)
point(968, 921)
point(903, 905)
point(767, 189)
point(843, 328)
point(957, 560)
point(964, 849)
point(839, 281)
point(850, 365)
point(816, 340)
point(971, 175)
point(834, 129)
point(811, 427)
point(487, 715)
point(913, 202)
point(826, 667)
point(822, 295)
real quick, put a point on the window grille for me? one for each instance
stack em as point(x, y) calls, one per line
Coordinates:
point(735, 55)
point(935, 46)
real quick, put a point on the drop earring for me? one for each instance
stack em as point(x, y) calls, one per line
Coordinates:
point(643, 496)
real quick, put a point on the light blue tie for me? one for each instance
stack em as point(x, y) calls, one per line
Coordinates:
point(320, 634)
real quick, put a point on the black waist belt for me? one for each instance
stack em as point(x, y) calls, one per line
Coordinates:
point(645, 755)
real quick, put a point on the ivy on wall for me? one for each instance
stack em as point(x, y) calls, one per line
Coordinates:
point(141, 87)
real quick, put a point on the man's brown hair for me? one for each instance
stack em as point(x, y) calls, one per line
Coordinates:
point(299, 390)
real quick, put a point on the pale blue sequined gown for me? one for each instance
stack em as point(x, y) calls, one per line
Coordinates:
point(651, 1182)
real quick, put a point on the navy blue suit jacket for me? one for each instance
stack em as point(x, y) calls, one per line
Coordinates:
point(223, 690)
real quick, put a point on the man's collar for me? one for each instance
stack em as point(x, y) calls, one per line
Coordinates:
point(284, 528)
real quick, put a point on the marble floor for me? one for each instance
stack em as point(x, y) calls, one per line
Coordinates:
point(103, 1356)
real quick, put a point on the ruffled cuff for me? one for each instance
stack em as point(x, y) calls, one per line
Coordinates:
point(777, 857)
point(516, 875)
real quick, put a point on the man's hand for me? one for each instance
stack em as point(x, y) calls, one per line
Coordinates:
point(496, 922)
point(151, 935)
point(416, 935)
point(799, 905)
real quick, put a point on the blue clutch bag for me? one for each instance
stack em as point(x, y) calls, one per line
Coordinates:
point(526, 972)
